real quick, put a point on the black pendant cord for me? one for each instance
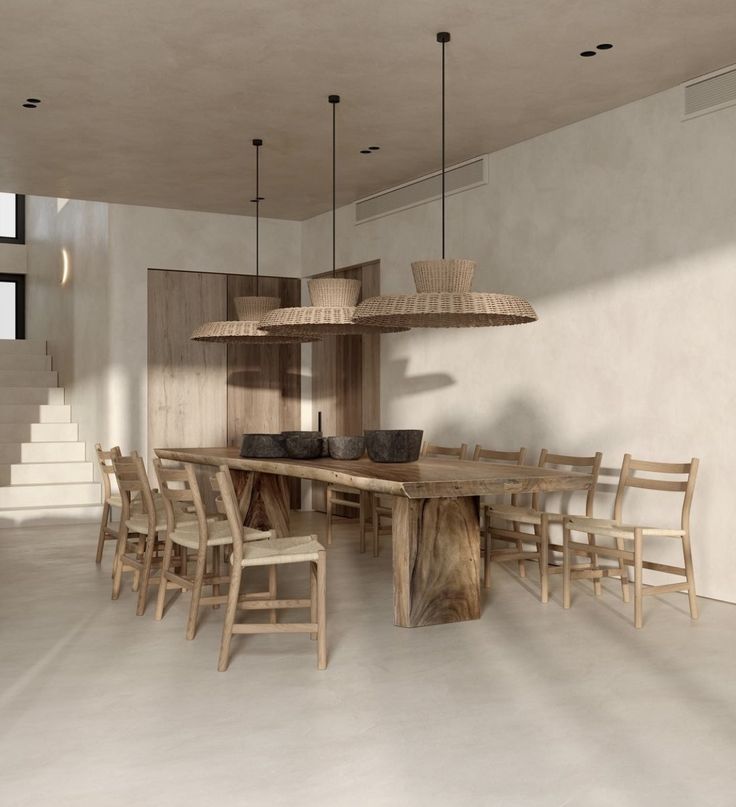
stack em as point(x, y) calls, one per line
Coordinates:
point(443, 38)
point(334, 100)
point(258, 143)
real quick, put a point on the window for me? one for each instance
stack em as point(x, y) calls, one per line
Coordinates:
point(12, 218)
point(12, 306)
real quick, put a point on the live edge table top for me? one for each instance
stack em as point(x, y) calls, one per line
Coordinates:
point(424, 479)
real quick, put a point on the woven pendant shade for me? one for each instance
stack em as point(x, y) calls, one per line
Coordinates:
point(444, 300)
point(331, 313)
point(244, 330)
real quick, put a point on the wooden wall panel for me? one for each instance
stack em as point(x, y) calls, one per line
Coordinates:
point(187, 381)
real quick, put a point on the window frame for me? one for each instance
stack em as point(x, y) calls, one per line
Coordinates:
point(20, 222)
point(20, 301)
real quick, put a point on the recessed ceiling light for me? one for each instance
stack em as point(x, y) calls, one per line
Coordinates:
point(588, 53)
point(374, 148)
point(30, 106)
point(365, 151)
point(33, 100)
point(604, 46)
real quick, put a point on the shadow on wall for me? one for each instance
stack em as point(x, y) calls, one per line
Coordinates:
point(396, 369)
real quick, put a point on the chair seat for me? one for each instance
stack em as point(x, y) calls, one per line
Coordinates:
point(522, 515)
point(219, 533)
point(281, 550)
point(138, 522)
point(603, 526)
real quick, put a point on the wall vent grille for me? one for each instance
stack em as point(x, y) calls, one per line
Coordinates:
point(458, 178)
point(710, 93)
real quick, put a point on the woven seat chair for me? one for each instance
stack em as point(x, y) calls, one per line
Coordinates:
point(538, 519)
point(271, 552)
point(343, 496)
point(204, 534)
point(142, 519)
point(109, 499)
point(382, 509)
point(635, 534)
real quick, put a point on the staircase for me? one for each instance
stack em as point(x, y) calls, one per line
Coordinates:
point(45, 477)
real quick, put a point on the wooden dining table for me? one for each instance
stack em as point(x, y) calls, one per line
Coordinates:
point(436, 516)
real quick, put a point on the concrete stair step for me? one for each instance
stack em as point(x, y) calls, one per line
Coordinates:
point(24, 361)
point(50, 516)
point(43, 473)
point(68, 451)
point(28, 378)
point(53, 396)
point(38, 432)
point(30, 413)
point(73, 494)
point(16, 347)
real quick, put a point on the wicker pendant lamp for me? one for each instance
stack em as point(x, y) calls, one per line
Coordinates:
point(333, 298)
point(250, 310)
point(444, 298)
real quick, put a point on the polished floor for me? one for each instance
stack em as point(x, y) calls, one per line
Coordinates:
point(529, 706)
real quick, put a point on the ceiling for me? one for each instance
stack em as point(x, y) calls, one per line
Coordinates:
point(155, 102)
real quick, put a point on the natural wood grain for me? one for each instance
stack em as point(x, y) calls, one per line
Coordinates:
point(436, 545)
point(269, 501)
point(427, 478)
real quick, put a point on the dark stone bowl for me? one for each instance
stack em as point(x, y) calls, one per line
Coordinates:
point(263, 446)
point(301, 434)
point(346, 448)
point(304, 448)
point(394, 445)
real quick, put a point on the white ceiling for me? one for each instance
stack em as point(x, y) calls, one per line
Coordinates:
point(155, 102)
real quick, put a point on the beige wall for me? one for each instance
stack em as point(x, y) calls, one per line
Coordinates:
point(13, 258)
point(620, 229)
point(96, 325)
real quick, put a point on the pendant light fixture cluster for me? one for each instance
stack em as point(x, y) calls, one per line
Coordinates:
point(333, 298)
point(250, 310)
point(443, 296)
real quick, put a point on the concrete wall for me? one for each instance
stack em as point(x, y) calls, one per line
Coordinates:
point(96, 324)
point(620, 230)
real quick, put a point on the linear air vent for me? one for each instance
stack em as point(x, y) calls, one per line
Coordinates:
point(710, 93)
point(458, 178)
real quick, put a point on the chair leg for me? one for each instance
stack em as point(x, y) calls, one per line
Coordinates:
point(140, 553)
point(624, 572)
point(273, 617)
point(216, 569)
point(103, 532)
point(687, 554)
point(597, 588)
point(313, 596)
point(566, 559)
point(321, 611)
point(118, 563)
point(230, 611)
point(544, 558)
point(145, 575)
point(638, 568)
point(328, 514)
point(196, 593)
point(487, 558)
point(165, 566)
point(362, 519)
point(520, 548)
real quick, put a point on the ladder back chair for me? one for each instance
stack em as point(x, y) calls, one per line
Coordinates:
point(337, 496)
point(539, 519)
point(635, 535)
point(109, 499)
point(142, 516)
point(382, 509)
point(198, 531)
point(271, 552)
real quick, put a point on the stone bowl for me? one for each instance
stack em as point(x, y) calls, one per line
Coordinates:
point(301, 434)
point(346, 448)
point(304, 448)
point(394, 445)
point(263, 446)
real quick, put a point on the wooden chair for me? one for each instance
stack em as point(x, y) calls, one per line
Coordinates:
point(109, 499)
point(381, 508)
point(142, 515)
point(635, 535)
point(272, 552)
point(539, 520)
point(337, 496)
point(200, 532)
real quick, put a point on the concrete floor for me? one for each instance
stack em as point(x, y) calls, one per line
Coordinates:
point(529, 706)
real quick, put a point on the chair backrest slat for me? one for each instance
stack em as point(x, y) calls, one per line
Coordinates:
point(132, 478)
point(458, 452)
point(180, 486)
point(104, 460)
point(592, 464)
point(627, 479)
point(491, 455)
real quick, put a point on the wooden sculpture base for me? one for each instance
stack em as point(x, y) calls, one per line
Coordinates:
point(269, 501)
point(436, 545)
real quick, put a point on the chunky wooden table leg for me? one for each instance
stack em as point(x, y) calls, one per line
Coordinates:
point(269, 501)
point(436, 546)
